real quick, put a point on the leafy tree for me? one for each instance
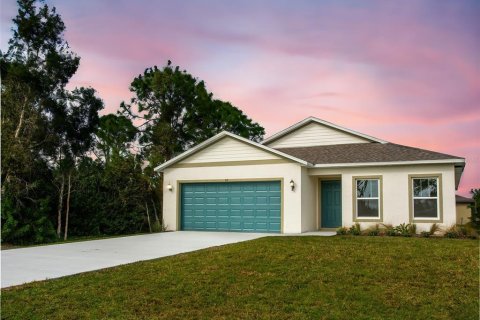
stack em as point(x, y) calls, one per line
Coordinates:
point(75, 130)
point(475, 221)
point(177, 112)
point(25, 212)
point(110, 197)
point(115, 136)
point(34, 70)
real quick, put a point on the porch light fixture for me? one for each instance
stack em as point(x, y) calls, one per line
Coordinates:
point(292, 184)
point(169, 187)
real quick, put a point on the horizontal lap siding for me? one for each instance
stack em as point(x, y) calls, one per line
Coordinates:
point(229, 149)
point(315, 134)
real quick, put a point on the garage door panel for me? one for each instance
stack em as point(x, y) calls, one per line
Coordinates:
point(274, 213)
point(274, 226)
point(261, 200)
point(236, 225)
point(249, 200)
point(274, 200)
point(231, 206)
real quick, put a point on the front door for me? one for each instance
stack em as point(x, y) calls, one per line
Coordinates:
point(331, 204)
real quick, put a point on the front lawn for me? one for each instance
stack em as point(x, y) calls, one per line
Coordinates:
point(272, 278)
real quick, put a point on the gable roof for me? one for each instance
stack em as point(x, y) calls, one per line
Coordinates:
point(309, 120)
point(222, 135)
point(460, 199)
point(357, 153)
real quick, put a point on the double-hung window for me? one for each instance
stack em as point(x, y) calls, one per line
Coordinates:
point(425, 198)
point(368, 198)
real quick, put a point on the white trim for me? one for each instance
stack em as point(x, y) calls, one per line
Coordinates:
point(425, 198)
point(386, 163)
point(323, 122)
point(221, 135)
point(371, 198)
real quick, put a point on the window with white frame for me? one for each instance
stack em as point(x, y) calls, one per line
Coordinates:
point(368, 198)
point(425, 198)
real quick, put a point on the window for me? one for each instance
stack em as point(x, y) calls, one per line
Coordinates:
point(425, 198)
point(367, 198)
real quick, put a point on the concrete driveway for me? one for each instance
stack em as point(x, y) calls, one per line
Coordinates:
point(53, 261)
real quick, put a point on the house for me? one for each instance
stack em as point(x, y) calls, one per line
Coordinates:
point(464, 210)
point(311, 176)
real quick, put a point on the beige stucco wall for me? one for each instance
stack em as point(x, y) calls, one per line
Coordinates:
point(395, 191)
point(292, 200)
point(309, 201)
point(464, 213)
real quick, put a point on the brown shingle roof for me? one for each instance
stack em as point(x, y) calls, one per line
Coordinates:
point(460, 199)
point(363, 152)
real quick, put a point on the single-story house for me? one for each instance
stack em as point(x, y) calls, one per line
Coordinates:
point(464, 210)
point(313, 175)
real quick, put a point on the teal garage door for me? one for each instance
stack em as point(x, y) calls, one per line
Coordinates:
point(253, 206)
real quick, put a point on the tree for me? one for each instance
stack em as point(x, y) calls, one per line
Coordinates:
point(34, 70)
point(80, 121)
point(74, 123)
point(475, 220)
point(177, 112)
point(115, 136)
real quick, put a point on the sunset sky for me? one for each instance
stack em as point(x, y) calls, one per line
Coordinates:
point(403, 71)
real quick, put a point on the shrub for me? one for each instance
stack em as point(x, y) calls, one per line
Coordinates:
point(342, 231)
point(389, 230)
point(157, 226)
point(373, 231)
point(355, 229)
point(404, 230)
point(471, 231)
point(452, 232)
point(472, 234)
point(462, 231)
point(412, 228)
point(434, 228)
point(425, 234)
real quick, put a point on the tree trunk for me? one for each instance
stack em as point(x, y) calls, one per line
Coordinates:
point(155, 211)
point(148, 218)
point(60, 207)
point(22, 116)
point(5, 181)
point(68, 204)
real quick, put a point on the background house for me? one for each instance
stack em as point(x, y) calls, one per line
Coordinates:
point(464, 210)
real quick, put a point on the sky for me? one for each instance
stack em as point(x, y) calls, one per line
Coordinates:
point(404, 71)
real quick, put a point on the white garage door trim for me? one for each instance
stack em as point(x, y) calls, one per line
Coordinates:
point(179, 195)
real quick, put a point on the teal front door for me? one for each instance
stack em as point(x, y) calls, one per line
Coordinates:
point(331, 204)
point(253, 206)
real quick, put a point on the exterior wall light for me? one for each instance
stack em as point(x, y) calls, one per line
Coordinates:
point(292, 184)
point(169, 187)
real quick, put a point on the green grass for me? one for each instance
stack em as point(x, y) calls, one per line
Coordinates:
point(272, 278)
